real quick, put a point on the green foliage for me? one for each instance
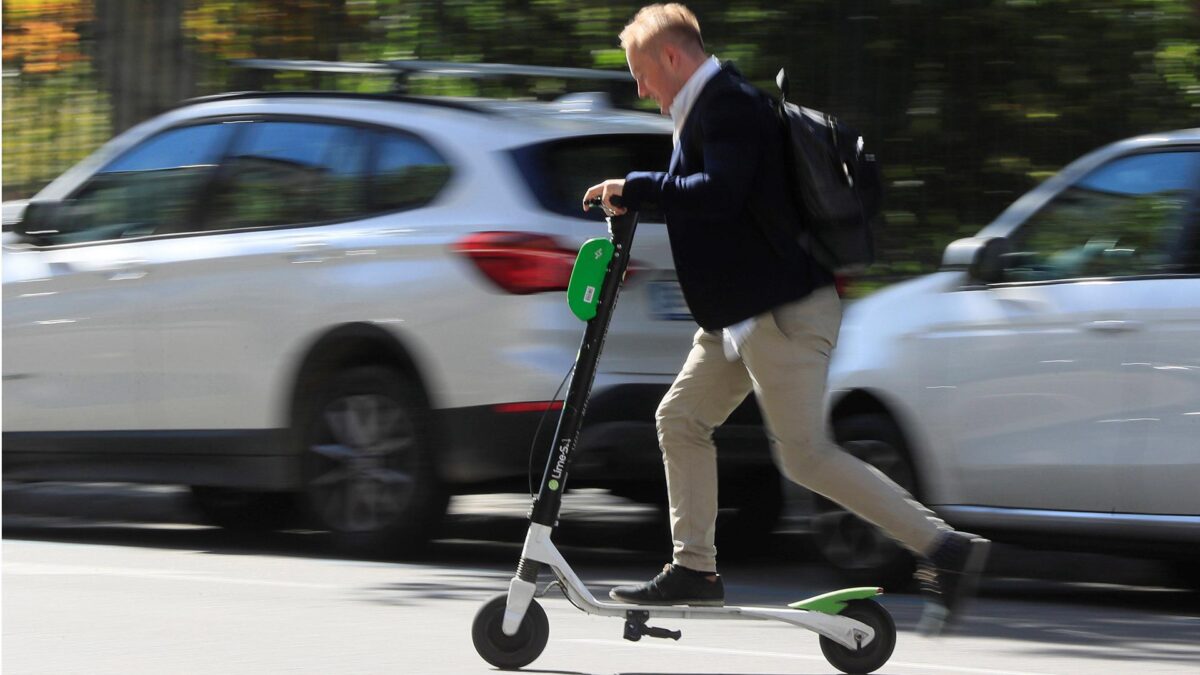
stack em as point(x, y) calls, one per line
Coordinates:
point(968, 103)
point(54, 113)
point(51, 121)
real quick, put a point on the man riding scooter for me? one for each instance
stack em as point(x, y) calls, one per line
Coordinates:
point(769, 317)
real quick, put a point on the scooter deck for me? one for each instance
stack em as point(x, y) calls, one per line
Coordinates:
point(827, 603)
point(830, 604)
point(843, 630)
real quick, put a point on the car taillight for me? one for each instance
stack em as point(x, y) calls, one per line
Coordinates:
point(528, 406)
point(842, 284)
point(519, 262)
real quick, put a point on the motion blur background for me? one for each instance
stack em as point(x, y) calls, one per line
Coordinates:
point(968, 103)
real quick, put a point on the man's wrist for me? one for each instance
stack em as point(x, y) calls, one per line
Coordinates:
point(640, 187)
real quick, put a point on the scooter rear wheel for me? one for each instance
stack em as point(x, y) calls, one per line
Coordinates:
point(871, 657)
point(509, 652)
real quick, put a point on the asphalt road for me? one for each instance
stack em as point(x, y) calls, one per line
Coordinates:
point(113, 579)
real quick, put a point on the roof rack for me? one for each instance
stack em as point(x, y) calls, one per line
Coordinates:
point(456, 104)
point(401, 70)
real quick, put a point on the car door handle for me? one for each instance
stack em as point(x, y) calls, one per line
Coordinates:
point(128, 270)
point(1113, 326)
point(308, 252)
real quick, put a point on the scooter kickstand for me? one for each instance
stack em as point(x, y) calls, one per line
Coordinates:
point(635, 627)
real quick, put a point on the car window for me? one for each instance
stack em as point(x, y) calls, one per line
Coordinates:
point(150, 189)
point(407, 172)
point(559, 172)
point(290, 173)
point(1125, 218)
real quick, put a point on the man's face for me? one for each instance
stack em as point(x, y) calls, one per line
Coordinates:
point(655, 80)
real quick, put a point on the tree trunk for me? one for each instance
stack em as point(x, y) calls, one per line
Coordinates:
point(142, 57)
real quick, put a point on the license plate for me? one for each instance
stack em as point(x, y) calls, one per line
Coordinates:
point(666, 301)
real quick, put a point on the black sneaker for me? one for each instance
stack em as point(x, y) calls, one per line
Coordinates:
point(949, 578)
point(675, 585)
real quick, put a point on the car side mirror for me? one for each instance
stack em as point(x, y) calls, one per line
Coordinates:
point(981, 257)
point(38, 220)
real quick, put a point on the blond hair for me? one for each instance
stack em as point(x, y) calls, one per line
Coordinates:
point(671, 21)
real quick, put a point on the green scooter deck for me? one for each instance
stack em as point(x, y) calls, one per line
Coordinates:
point(835, 601)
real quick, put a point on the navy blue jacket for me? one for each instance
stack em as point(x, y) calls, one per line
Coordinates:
point(725, 186)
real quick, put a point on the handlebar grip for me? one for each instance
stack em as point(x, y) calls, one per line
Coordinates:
point(596, 202)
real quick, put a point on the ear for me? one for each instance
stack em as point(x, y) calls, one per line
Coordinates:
point(670, 54)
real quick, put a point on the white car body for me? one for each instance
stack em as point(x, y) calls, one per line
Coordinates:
point(178, 358)
point(188, 378)
point(1067, 408)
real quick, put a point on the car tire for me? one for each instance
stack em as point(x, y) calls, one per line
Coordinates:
point(650, 493)
point(1185, 574)
point(749, 508)
point(244, 510)
point(859, 550)
point(368, 461)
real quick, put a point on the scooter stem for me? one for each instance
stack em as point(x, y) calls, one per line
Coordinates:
point(548, 503)
point(549, 499)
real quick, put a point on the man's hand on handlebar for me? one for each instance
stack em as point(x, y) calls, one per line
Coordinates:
point(607, 196)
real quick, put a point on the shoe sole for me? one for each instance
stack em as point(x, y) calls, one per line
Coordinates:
point(689, 603)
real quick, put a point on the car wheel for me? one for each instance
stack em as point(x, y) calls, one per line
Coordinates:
point(1185, 573)
point(370, 478)
point(749, 508)
point(244, 510)
point(652, 493)
point(855, 547)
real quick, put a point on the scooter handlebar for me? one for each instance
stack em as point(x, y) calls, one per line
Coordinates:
point(597, 202)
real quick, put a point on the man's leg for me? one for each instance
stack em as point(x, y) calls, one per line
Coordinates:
point(703, 395)
point(787, 356)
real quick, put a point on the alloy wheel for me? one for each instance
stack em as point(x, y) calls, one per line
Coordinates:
point(366, 462)
point(846, 540)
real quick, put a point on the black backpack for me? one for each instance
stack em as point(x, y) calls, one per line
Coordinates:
point(838, 187)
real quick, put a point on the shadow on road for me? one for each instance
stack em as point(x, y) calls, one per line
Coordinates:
point(478, 529)
point(1047, 599)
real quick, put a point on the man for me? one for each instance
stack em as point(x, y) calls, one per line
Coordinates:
point(768, 315)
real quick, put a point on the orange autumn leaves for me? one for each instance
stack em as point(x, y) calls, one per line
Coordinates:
point(41, 36)
point(232, 29)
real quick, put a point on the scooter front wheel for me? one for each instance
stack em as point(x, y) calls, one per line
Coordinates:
point(509, 652)
point(871, 657)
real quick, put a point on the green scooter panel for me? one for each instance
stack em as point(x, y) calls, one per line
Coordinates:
point(835, 601)
point(583, 291)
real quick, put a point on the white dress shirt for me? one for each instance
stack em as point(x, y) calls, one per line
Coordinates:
point(686, 98)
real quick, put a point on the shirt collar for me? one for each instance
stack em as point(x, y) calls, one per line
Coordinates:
point(686, 98)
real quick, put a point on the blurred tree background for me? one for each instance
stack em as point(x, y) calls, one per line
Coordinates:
point(968, 103)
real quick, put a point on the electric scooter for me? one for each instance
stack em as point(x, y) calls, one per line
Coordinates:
point(857, 635)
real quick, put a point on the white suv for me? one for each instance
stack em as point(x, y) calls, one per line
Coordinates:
point(352, 299)
point(1044, 387)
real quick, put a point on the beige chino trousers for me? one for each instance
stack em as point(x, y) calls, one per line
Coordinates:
point(784, 360)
